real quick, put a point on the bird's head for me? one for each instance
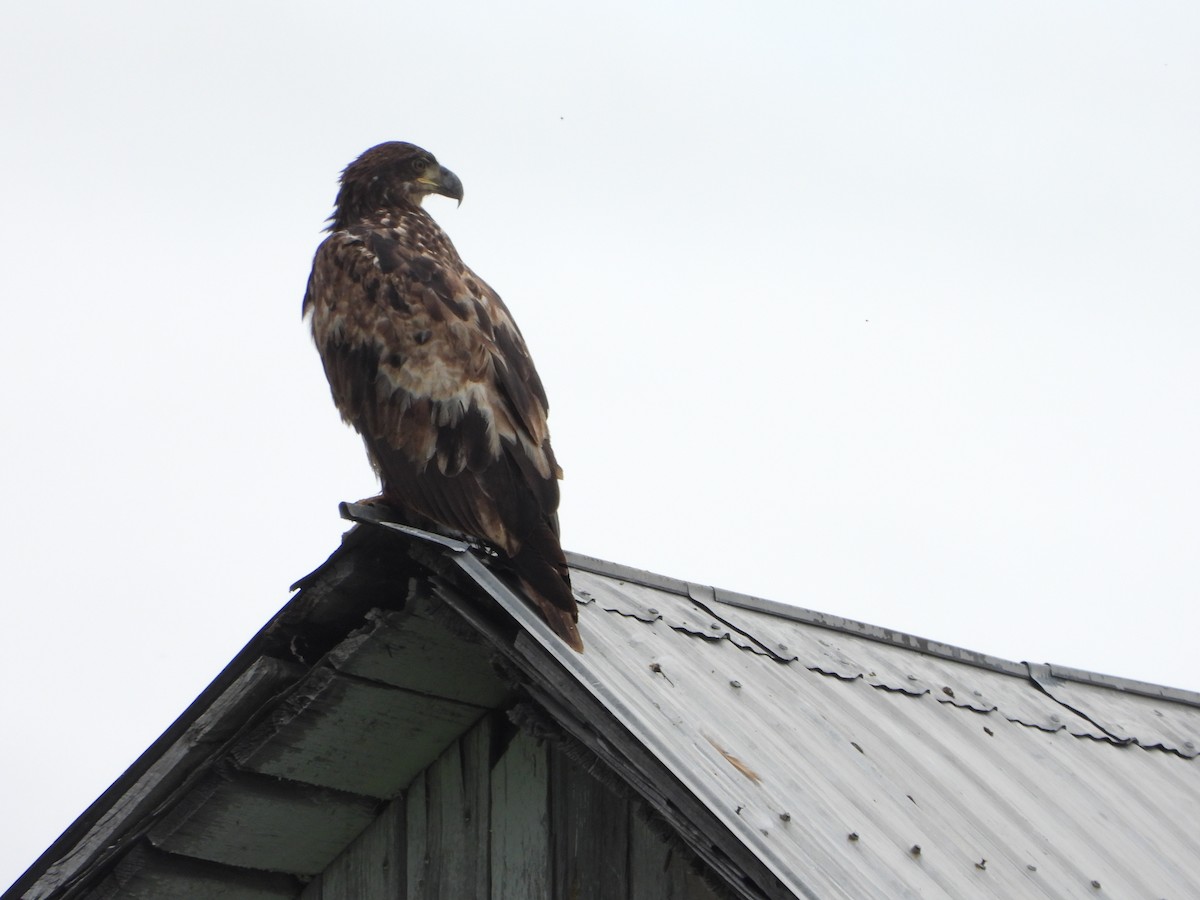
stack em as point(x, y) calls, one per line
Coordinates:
point(391, 175)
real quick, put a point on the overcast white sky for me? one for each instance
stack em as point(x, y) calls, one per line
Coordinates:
point(886, 310)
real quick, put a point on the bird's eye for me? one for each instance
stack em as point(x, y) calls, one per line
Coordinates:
point(419, 164)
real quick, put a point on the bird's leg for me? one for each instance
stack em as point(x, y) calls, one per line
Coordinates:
point(375, 501)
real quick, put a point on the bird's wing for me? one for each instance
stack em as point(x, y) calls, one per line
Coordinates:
point(424, 360)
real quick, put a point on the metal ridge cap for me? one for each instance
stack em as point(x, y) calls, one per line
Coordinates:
point(643, 577)
point(1126, 685)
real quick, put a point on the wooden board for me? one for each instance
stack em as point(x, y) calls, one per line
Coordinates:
point(149, 874)
point(412, 652)
point(448, 805)
point(591, 834)
point(353, 735)
point(372, 867)
point(653, 869)
point(251, 821)
point(520, 820)
point(419, 859)
point(658, 871)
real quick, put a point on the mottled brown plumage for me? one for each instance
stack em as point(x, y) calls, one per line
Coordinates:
point(426, 363)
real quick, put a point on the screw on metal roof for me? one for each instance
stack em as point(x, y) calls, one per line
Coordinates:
point(657, 669)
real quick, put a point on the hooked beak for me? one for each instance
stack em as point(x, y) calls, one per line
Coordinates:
point(444, 182)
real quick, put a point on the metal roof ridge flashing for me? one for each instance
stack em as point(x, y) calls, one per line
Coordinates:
point(367, 514)
point(626, 573)
point(1119, 683)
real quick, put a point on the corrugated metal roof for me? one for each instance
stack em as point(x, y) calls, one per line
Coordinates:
point(860, 763)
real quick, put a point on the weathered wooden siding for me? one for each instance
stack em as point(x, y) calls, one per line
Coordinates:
point(520, 848)
point(372, 866)
point(658, 871)
point(448, 821)
point(590, 825)
point(504, 816)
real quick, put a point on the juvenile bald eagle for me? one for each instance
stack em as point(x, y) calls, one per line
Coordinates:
point(425, 361)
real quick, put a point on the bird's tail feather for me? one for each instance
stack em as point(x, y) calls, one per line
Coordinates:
point(560, 621)
point(549, 586)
